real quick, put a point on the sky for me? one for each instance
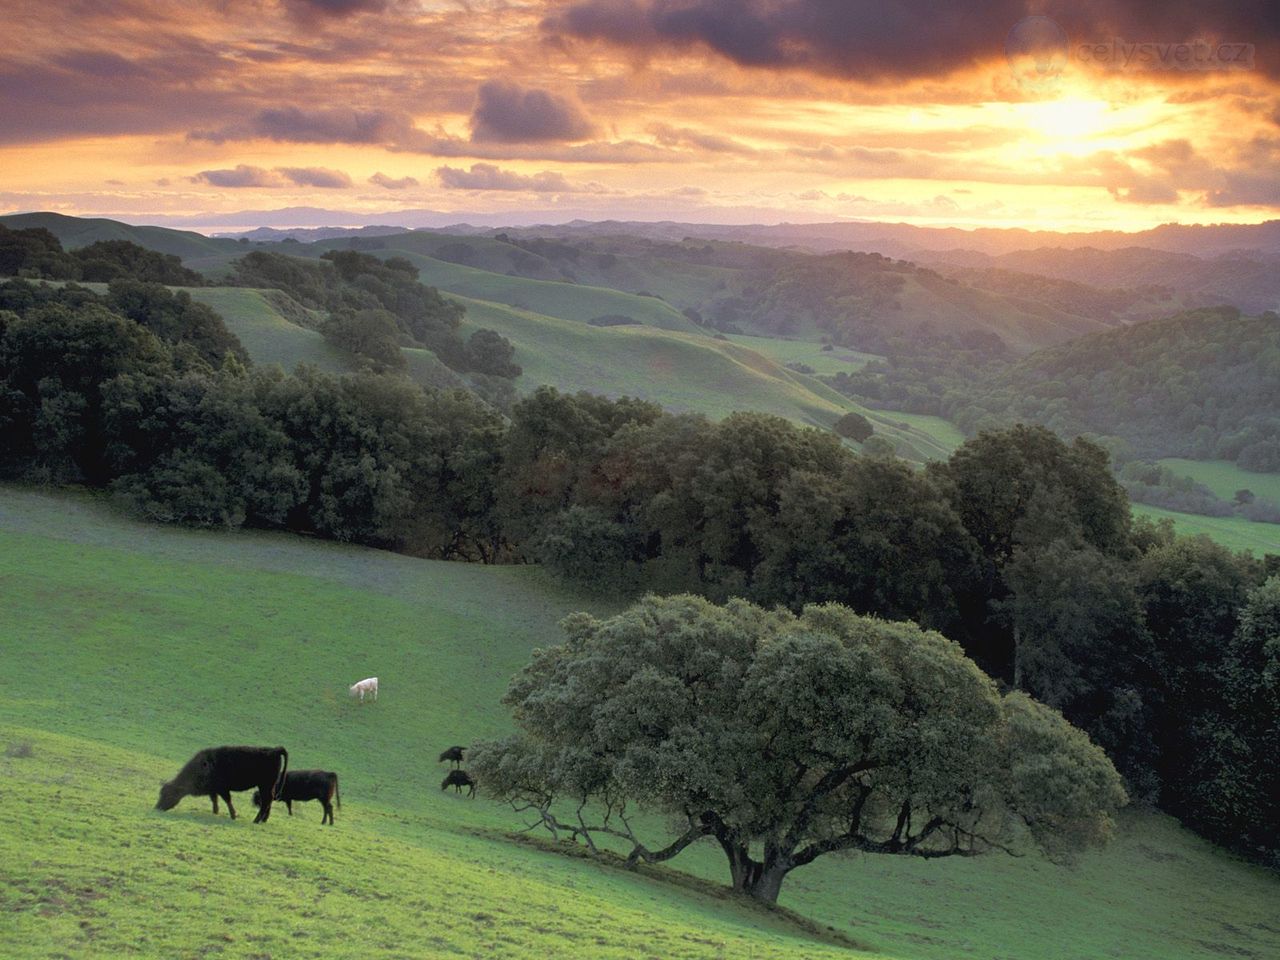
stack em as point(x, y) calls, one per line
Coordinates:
point(1091, 114)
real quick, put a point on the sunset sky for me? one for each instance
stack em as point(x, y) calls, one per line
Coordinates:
point(1088, 115)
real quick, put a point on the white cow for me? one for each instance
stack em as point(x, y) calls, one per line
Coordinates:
point(367, 685)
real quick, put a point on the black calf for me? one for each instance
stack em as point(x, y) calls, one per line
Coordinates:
point(302, 785)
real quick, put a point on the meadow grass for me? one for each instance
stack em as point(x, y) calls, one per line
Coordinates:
point(687, 373)
point(1225, 478)
point(1233, 532)
point(570, 301)
point(125, 647)
point(823, 363)
point(268, 335)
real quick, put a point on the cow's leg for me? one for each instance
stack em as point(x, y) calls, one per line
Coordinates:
point(264, 811)
point(226, 796)
point(288, 805)
point(327, 816)
point(214, 798)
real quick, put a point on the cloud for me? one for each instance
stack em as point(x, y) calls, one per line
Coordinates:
point(310, 11)
point(329, 125)
point(508, 113)
point(241, 176)
point(907, 38)
point(244, 175)
point(315, 177)
point(382, 180)
point(487, 176)
point(669, 136)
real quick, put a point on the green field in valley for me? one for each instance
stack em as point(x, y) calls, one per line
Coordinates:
point(1225, 478)
point(1234, 532)
point(125, 647)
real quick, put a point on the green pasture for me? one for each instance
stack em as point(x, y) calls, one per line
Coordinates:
point(125, 647)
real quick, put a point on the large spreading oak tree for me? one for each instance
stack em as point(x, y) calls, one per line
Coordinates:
point(783, 738)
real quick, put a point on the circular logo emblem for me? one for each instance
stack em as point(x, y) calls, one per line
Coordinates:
point(1037, 49)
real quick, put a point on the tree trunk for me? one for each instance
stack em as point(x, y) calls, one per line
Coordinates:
point(768, 882)
point(760, 881)
point(1017, 658)
point(743, 871)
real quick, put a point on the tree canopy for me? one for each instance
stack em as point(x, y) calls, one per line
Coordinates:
point(786, 737)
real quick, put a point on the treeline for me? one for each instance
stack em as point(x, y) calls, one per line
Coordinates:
point(147, 394)
point(1020, 547)
point(37, 254)
point(374, 307)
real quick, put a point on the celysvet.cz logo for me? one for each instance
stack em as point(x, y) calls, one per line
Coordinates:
point(1039, 50)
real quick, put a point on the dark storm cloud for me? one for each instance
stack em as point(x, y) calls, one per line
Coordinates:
point(508, 113)
point(309, 10)
point(860, 39)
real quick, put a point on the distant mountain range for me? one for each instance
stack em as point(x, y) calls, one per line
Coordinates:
point(891, 239)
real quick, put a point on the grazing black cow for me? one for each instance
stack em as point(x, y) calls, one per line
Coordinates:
point(302, 785)
point(454, 754)
point(459, 779)
point(217, 771)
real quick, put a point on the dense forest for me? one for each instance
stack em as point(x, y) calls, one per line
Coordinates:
point(1020, 546)
point(1204, 384)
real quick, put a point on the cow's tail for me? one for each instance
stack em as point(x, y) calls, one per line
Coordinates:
point(279, 788)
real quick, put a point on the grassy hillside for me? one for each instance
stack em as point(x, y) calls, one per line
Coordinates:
point(568, 301)
point(808, 352)
point(1233, 532)
point(75, 232)
point(270, 337)
point(680, 371)
point(126, 647)
point(686, 373)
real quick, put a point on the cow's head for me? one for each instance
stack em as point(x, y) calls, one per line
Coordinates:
point(170, 794)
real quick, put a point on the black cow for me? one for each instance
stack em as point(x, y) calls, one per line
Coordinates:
point(217, 771)
point(459, 779)
point(302, 785)
point(454, 754)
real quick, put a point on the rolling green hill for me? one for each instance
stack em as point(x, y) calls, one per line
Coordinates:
point(686, 372)
point(270, 337)
point(683, 372)
point(75, 232)
point(126, 647)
